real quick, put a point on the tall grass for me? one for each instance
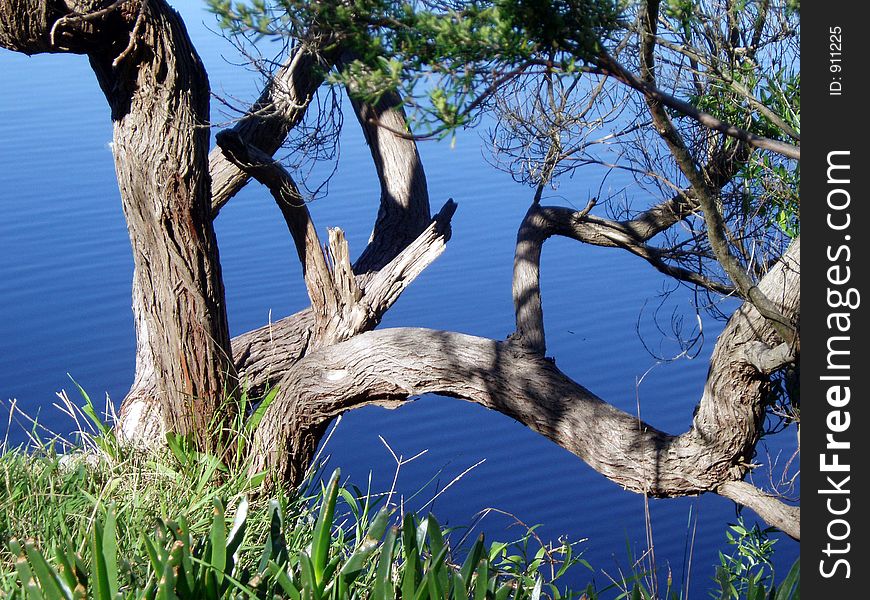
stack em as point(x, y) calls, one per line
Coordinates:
point(97, 520)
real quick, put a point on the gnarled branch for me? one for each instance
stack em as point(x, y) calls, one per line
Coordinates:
point(542, 222)
point(390, 366)
point(280, 107)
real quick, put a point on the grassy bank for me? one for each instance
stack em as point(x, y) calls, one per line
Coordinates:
point(104, 522)
point(151, 526)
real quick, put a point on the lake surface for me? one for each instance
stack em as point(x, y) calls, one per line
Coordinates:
point(65, 271)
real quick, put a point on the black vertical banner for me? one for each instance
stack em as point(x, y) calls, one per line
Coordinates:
point(835, 300)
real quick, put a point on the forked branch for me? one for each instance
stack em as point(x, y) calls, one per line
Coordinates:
point(341, 308)
point(388, 367)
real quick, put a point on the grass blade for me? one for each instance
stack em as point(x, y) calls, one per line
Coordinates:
point(323, 527)
point(49, 579)
point(257, 416)
point(110, 549)
point(482, 581)
point(218, 539)
point(789, 589)
point(100, 574)
point(309, 578)
point(284, 581)
point(472, 559)
point(383, 589)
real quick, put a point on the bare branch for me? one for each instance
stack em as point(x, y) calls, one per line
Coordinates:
point(404, 203)
point(280, 107)
point(542, 222)
point(774, 511)
point(610, 67)
point(713, 219)
point(340, 307)
point(768, 360)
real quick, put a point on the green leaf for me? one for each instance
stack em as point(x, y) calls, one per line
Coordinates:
point(102, 590)
point(236, 535)
point(503, 591)
point(410, 573)
point(383, 588)
point(49, 579)
point(482, 581)
point(91, 411)
point(177, 447)
point(167, 581)
point(218, 539)
point(284, 581)
point(66, 568)
point(323, 527)
point(309, 577)
point(472, 559)
point(110, 548)
point(789, 589)
point(25, 575)
point(257, 416)
point(361, 554)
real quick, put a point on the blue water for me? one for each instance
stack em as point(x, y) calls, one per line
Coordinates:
point(65, 271)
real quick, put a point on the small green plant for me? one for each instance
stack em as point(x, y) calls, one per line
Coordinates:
point(747, 573)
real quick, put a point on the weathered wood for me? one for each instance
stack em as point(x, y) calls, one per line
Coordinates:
point(262, 355)
point(390, 366)
point(158, 92)
point(159, 96)
point(403, 211)
point(281, 106)
point(785, 517)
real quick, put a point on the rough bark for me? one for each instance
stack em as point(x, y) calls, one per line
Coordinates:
point(404, 204)
point(158, 92)
point(160, 107)
point(787, 518)
point(262, 355)
point(280, 107)
point(76, 26)
point(390, 366)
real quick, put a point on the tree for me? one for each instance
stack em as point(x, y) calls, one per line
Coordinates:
point(716, 150)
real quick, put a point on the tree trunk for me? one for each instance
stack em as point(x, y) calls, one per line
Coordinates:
point(158, 92)
point(390, 366)
point(160, 108)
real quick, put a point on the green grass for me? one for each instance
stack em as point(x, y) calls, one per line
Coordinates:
point(104, 522)
point(146, 527)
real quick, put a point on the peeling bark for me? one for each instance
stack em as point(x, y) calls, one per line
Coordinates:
point(158, 92)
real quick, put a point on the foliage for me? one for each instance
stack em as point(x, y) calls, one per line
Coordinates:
point(104, 521)
point(445, 57)
point(747, 573)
